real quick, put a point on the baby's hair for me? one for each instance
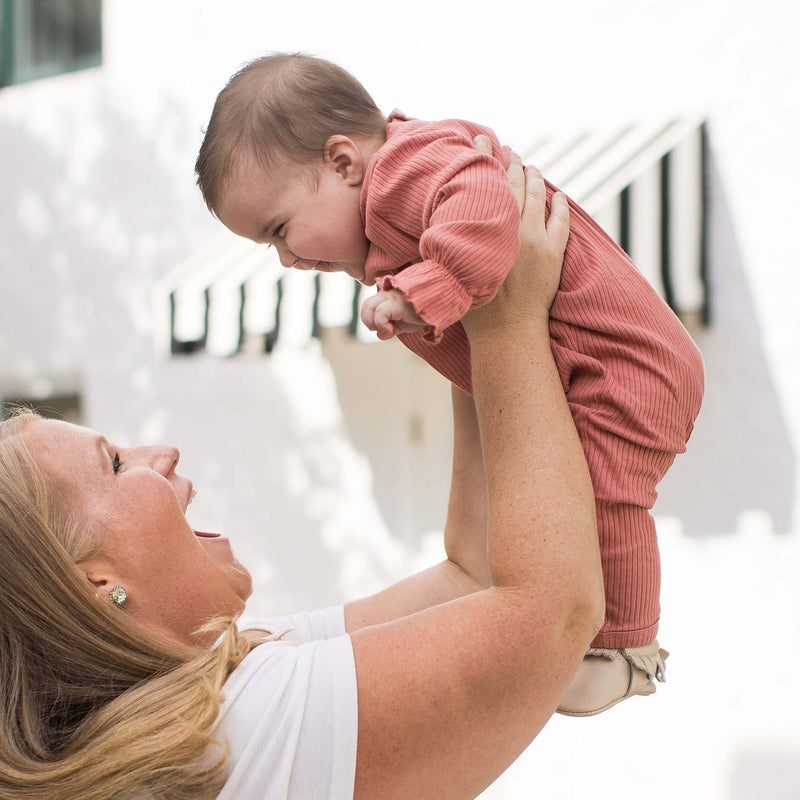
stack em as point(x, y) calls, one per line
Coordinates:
point(281, 107)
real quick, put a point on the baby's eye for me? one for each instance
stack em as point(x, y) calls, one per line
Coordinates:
point(280, 230)
point(116, 464)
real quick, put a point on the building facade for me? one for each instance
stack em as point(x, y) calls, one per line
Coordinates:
point(327, 460)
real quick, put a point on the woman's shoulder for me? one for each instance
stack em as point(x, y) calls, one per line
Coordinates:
point(289, 652)
point(284, 665)
point(304, 626)
point(289, 717)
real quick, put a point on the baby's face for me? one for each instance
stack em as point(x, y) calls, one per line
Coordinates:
point(311, 226)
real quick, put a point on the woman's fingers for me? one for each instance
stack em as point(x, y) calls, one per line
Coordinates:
point(543, 240)
point(539, 228)
point(535, 196)
point(516, 178)
point(482, 144)
point(558, 222)
point(515, 170)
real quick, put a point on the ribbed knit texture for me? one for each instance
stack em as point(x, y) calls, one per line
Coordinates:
point(632, 375)
point(429, 195)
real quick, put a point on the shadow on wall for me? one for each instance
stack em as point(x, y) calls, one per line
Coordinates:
point(93, 215)
point(397, 412)
point(740, 458)
point(287, 485)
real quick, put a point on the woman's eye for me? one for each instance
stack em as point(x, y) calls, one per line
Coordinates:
point(116, 464)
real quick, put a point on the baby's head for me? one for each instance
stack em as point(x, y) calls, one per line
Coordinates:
point(284, 157)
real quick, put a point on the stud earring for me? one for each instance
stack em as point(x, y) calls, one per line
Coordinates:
point(118, 596)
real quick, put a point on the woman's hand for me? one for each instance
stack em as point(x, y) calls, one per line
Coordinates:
point(534, 279)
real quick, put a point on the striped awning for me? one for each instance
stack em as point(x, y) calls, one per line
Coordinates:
point(235, 297)
point(646, 185)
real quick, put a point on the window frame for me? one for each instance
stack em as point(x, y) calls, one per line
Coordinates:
point(10, 45)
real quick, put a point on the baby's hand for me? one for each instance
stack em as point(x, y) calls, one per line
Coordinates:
point(389, 313)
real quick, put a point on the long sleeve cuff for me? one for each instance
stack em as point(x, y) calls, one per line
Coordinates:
point(437, 296)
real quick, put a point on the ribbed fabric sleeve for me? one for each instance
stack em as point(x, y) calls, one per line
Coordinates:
point(428, 194)
point(632, 376)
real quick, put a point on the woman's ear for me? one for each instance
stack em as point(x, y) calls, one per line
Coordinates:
point(344, 156)
point(99, 575)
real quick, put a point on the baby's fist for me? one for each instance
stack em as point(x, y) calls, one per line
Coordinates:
point(389, 313)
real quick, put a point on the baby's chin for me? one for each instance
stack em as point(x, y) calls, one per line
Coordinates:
point(356, 271)
point(353, 270)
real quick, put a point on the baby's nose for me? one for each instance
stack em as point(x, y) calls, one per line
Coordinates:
point(286, 256)
point(287, 259)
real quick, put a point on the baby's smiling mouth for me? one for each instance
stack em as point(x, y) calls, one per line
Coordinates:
point(307, 264)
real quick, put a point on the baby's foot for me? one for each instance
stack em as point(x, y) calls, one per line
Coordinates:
point(607, 676)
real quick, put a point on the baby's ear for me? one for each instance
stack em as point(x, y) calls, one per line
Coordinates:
point(344, 156)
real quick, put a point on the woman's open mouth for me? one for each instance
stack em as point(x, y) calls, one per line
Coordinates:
point(207, 535)
point(200, 534)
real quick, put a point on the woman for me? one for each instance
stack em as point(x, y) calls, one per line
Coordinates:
point(110, 685)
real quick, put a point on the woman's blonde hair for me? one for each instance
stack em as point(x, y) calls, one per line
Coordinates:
point(91, 707)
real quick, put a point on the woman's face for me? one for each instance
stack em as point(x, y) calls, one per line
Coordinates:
point(176, 579)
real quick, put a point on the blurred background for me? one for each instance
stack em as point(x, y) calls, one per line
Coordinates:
point(325, 456)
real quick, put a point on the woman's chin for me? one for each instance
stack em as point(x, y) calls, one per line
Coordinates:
point(247, 581)
point(219, 549)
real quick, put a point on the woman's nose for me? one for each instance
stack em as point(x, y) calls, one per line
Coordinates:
point(163, 458)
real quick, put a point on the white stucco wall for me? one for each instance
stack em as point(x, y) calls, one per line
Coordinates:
point(289, 454)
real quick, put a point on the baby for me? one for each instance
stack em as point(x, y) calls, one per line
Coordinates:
point(297, 155)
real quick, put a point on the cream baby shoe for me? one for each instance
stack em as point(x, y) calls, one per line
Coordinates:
point(607, 676)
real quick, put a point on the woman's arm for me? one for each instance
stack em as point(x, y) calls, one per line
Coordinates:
point(448, 697)
point(465, 529)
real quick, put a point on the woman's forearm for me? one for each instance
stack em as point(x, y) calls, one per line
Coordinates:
point(533, 539)
point(438, 584)
point(465, 529)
